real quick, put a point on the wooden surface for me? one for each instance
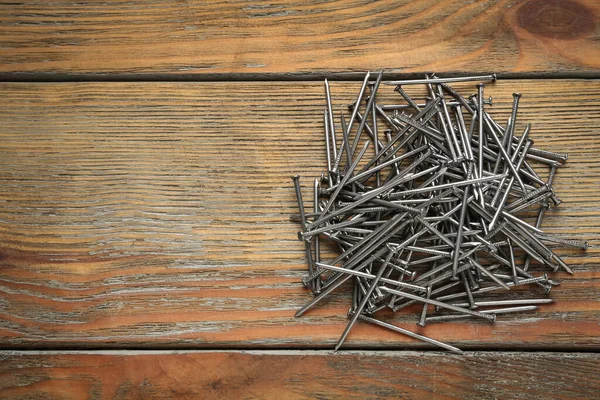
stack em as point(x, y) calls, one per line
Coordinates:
point(140, 216)
point(53, 38)
point(311, 374)
point(157, 214)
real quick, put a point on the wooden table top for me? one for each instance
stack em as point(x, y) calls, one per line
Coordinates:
point(146, 154)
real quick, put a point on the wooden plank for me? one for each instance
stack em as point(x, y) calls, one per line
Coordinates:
point(211, 38)
point(306, 374)
point(156, 214)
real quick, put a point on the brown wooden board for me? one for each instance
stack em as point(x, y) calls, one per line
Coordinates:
point(194, 38)
point(157, 214)
point(302, 375)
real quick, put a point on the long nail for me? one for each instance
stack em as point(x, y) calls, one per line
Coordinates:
point(307, 249)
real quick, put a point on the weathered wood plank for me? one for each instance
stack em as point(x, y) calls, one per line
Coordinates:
point(156, 214)
point(199, 38)
point(308, 374)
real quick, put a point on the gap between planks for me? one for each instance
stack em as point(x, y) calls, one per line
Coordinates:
point(291, 352)
point(300, 351)
point(45, 77)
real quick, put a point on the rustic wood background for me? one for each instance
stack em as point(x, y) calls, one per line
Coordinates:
point(143, 218)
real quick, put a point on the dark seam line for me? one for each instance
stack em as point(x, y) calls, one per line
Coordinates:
point(269, 77)
point(326, 349)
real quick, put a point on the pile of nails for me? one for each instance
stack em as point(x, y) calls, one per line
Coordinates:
point(433, 215)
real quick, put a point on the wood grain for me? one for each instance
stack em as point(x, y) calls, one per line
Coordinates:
point(195, 38)
point(302, 375)
point(157, 214)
